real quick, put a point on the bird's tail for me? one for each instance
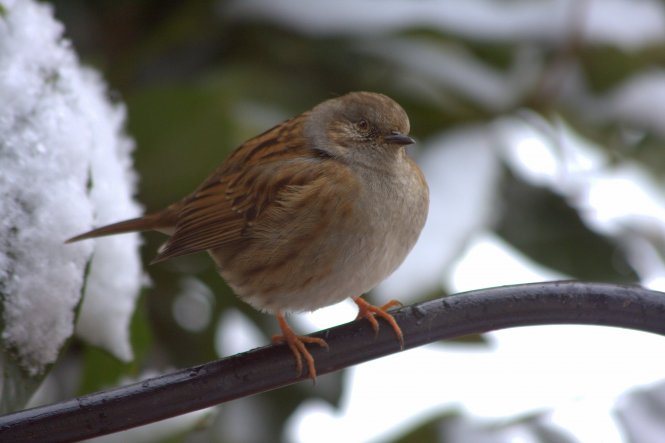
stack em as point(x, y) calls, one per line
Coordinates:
point(163, 221)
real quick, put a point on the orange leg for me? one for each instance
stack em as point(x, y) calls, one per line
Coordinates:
point(370, 312)
point(297, 345)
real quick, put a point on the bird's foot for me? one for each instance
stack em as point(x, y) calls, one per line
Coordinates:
point(297, 345)
point(370, 312)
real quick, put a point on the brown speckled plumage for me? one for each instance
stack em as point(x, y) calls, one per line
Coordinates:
point(319, 208)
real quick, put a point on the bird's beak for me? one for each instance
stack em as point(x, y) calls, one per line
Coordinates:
point(399, 139)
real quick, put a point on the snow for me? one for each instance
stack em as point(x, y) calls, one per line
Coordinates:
point(60, 133)
point(236, 333)
point(452, 70)
point(629, 24)
point(640, 100)
point(192, 307)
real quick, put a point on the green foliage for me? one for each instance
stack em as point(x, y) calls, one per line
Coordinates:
point(17, 386)
point(172, 123)
point(607, 67)
point(101, 370)
point(544, 227)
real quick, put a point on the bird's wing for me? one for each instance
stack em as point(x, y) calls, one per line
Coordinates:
point(243, 192)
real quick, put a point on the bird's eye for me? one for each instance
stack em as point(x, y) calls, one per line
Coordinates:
point(363, 126)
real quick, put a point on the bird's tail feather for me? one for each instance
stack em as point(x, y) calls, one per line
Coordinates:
point(160, 221)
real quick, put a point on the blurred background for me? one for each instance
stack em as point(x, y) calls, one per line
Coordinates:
point(540, 127)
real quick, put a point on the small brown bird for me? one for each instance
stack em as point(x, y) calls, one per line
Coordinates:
point(321, 207)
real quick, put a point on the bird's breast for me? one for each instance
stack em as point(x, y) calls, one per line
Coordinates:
point(340, 247)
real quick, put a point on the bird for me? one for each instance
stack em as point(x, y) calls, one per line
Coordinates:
point(319, 208)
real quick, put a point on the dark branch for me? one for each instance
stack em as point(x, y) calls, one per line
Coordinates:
point(272, 367)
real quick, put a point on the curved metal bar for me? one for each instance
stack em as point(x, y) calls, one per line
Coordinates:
point(271, 367)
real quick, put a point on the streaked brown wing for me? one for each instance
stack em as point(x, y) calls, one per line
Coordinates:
point(223, 209)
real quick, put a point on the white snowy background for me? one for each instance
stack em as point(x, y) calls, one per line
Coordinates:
point(59, 133)
point(60, 136)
